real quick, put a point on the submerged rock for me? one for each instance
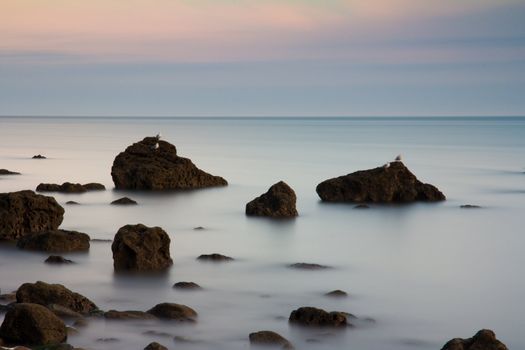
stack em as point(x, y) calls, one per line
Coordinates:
point(72, 203)
point(141, 248)
point(469, 206)
point(186, 285)
point(155, 346)
point(39, 156)
point(311, 316)
point(214, 257)
point(146, 166)
point(124, 201)
point(26, 212)
point(173, 311)
point(32, 324)
point(68, 187)
point(392, 184)
point(55, 241)
point(270, 339)
point(338, 293)
point(7, 172)
point(362, 206)
point(278, 202)
point(485, 339)
point(307, 266)
point(46, 294)
point(128, 315)
point(57, 259)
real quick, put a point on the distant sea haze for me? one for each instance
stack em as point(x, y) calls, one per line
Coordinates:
point(426, 272)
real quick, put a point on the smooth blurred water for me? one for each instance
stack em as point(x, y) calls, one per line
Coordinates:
point(425, 272)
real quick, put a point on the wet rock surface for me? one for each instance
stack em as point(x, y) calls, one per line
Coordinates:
point(55, 241)
point(46, 294)
point(153, 164)
point(314, 317)
point(26, 212)
point(485, 339)
point(32, 324)
point(124, 201)
point(392, 184)
point(270, 339)
point(141, 248)
point(69, 187)
point(278, 202)
point(172, 311)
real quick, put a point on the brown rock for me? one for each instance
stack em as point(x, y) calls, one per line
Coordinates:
point(143, 166)
point(26, 212)
point(57, 259)
point(141, 248)
point(68, 187)
point(392, 184)
point(155, 346)
point(485, 339)
point(55, 241)
point(311, 316)
point(278, 202)
point(7, 172)
point(173, 311)
point(214, 257)
point(124, 201)
point(45, 294)
point(32, 324)
point(72, 203)
point(128, 315)
point(337, 294)
point(271, 339)
point(186, 285)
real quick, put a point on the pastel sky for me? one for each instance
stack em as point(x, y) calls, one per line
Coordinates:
point(257, 58)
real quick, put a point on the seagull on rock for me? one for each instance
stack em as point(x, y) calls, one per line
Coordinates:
point(158, 136)
point(399, 158)
point(386, 166)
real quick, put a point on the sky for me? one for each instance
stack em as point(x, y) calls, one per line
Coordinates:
point(262, 58)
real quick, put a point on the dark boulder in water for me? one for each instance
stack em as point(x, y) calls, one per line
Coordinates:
point(55, 241)
point(187, 285)
point(153, 164)
point(57, 259)
point(270, 339)
point(68, 187)
point(314, 317)
point(7, 172)
point(338, 293)
point(469, 206)
point(46, 294)
point(214, 257)
point(39, 156)
point(278, 202)
point(32, 324)
point(308, 266)
point(72, 203)
point(124, 201)
point(485, 339)
point(155, 346)
point(141, 248)
point(172, 311)
point(392, 184)
point(26, 212)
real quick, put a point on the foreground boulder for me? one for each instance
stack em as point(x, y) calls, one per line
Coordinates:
point(314, 317)
point(485, 339)
point(270, 339)
point(55, 241)
point(153, 164)
point(278, 202)
point(173, 311)
point(26, 212)
point(32, 324)
point(388, 184)
point(141, 248)
point(68, 187)
point(47, 294)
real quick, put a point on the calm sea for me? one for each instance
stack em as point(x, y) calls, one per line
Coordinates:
point(425, 273)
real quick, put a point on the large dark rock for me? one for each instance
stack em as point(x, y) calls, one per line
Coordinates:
point(46, 294)
point(141, 248)
point(392, 184)
point(485, 339)
point(278, 202)
point(8, 172)
point(173, 311)
point(55, 241)
point(26, 212)
point(68, 187)
point(32, 324)
point(314, 317)
point(143, 166)
point(270, 339)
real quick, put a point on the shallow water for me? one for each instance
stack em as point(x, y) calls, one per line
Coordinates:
point(425, 272)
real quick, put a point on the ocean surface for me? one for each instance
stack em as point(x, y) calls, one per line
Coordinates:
point(425, 273)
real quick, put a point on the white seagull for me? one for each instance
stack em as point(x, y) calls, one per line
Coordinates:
point(156, 146)
point(398, 158)
point(386, 166)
